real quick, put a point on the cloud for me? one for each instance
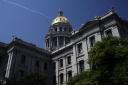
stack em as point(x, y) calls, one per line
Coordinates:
point(26, 8)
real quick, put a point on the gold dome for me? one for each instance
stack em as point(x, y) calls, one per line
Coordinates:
point(60, 19)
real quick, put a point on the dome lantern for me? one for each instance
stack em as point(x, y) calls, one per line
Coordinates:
point(60, 13)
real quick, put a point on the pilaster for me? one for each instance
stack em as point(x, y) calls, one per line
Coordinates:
point(74, 61)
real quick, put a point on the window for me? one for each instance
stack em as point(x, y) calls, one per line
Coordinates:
point(79, 47)
point(55, 29)
point(61, 41)
point(21, 73)
point(65, 29)
point(54, 80)
point(54, 66)
point(81, 65)
point(108, 32)
point(55, 42)
point(47, 43)
point(63, 20)
point(60, 28)
point(61, 63)
point(92, 41)
point(67, 40)
point(45, 66)
point(68, 60)
point(23, 59)
point(69, 74)
point(37, 64)
point(61, 78)
point(0, 60)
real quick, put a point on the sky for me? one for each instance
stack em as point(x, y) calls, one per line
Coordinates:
point(29, 20)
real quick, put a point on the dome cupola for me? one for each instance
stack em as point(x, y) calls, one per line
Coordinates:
point(60, 19)
point(59, 33)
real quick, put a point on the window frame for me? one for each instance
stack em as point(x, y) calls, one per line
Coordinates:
point(61, 78)
point(69, 62)
point(69, 76)
point(108, 34)
point(61, 63)
point(81, 65)
point(23, 59)
point(92, 40)
point(79, 48)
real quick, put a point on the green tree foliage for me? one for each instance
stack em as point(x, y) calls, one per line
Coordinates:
point(108, 62)
point(32, 79)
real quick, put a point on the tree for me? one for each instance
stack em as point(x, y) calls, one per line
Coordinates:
point(108, 61)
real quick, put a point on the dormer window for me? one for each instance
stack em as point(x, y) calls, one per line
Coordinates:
point(108, 32)
point(63, 20)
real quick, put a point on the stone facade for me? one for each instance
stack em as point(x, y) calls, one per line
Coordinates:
point(71, 59)
point(21, 58)
point(66, 51)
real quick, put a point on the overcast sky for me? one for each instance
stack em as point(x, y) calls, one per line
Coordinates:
point(30, 19)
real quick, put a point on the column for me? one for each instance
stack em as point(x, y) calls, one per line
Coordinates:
point(46, 43)
point(98, 36)
point(7, 75)
point(50, 42)
point(115, 31)
point(85, 51)
point(64, 41)
point(74, 61)
point(57, 42)
point(65, 76)
point(57, 73)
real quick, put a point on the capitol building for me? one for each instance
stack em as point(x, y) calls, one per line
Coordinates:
point(66, 50)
